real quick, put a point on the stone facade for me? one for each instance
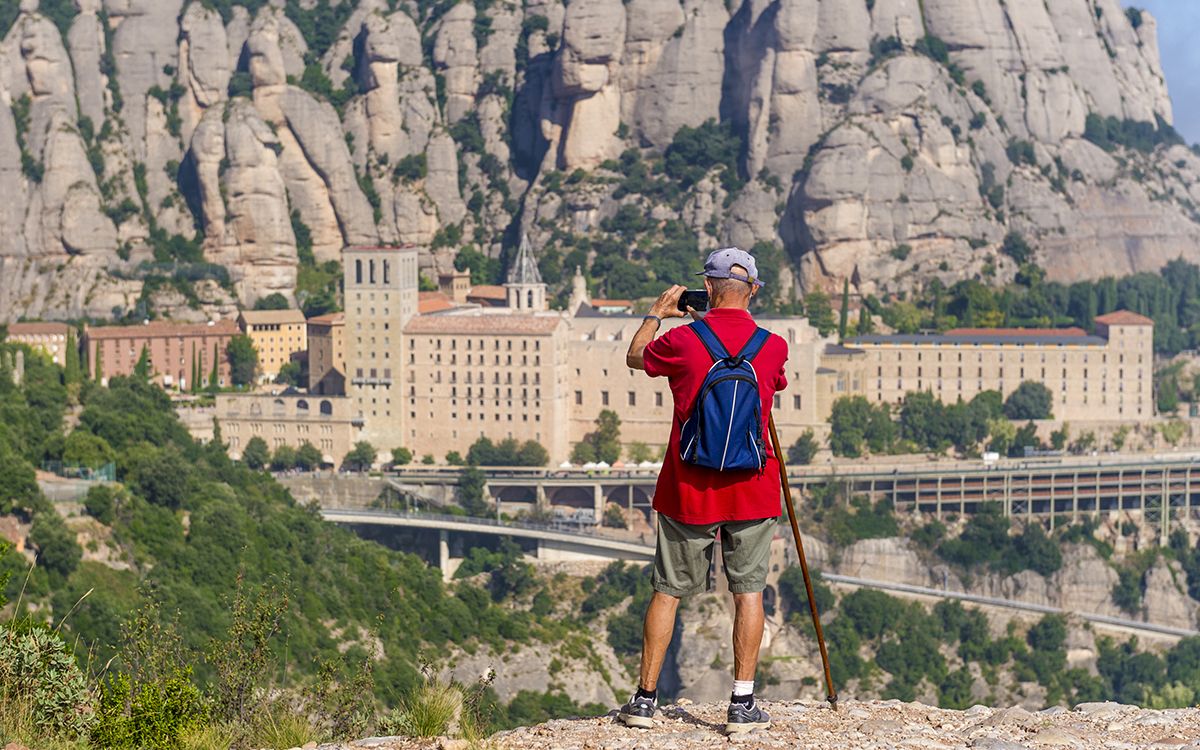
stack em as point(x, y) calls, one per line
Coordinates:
point(327, 354)
point(381, 297)
point(50, 338)
point(278, 336)
point(1110, 374)
point(288, 418)
point(176, 351)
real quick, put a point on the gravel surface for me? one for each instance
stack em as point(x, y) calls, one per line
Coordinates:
point(859, 725)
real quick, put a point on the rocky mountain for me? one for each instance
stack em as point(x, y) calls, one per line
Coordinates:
point(188, 156)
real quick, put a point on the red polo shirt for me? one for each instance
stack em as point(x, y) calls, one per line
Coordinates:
point(694, 494)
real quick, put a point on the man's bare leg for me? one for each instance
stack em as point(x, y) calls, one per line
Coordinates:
point(747, 634)
point(656, 636)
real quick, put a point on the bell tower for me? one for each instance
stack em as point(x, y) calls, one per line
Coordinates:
point(524, 287)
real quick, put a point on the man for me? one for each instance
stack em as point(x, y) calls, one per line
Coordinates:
point(695, 503)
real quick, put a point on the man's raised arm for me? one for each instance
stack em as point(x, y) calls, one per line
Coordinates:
point(666, 306)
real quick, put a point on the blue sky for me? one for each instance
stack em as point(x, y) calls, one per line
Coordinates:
point(1178, 27)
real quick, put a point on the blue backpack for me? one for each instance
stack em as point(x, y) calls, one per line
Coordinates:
point(725, 431)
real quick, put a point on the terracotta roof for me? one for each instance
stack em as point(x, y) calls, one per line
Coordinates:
point(225, 327)
point(37, 329)
point(482, 323)
point(612, 303)
point(488, 291)
point(328, 319)
point(1016, 332)
point(431, 302)
point(1124, 318)
point(257, 317)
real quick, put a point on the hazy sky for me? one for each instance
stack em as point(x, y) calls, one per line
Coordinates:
point(1178, 27)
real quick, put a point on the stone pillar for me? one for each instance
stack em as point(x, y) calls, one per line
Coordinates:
point(444, 554)
point(598, 497)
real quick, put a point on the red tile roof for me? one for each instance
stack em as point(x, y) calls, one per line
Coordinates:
point(488, 291)
point(612, 303)
point(37, 329)
point(1016, 332)
point(482, 323)
point(431, 302)
point(1124, 318)
point(163, 329)
point(328, 319)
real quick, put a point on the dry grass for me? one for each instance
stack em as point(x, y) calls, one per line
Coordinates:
point(17, 726)
point(280, 728)
point(209, 737)
point(434, 709)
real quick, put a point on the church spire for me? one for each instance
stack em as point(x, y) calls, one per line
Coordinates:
point(524, 287)
point(524, 269)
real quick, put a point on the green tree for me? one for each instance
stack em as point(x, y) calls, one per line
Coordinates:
point(819, 312)
point(214, 374)
point(100, 503)
point(471, 492)
point(275, 301)
point(284, 458)
point(290, 373)
point(142, 370)
point(308, 457)
point(58, 552)
point(401, 456)
point(1031, 400)
point(803, 451)
point(583, 452)
point(257, 454)
point(361, 457)
point(82, 448)
point(72, 373)
point(639, 452)
point(18, 482)
point(454, 458)
point(243, 360)
point(849, 421)
point(844, 315)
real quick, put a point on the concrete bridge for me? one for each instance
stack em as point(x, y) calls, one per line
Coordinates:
point(552, 543)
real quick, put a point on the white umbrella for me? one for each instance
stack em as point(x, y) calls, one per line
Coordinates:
point(646, 465)
point(565, 465)
point(602, 465)
point(591, 465)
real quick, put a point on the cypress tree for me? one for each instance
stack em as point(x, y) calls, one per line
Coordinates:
point(72, 373)
point(195, 374)
point(214, 373)
point(845, 314)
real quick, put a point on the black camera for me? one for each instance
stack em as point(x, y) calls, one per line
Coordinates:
point(697, 299)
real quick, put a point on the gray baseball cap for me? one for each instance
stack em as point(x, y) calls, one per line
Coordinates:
point(720, 265)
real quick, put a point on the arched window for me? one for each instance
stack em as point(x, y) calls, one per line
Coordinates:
point(386, 269)
point(255, 408)
point(326, 408)
point(358, 271)
point(280, 407)
point(371, 270)
point(529, 299)
point(302, 405)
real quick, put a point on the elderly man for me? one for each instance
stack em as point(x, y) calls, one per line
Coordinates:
point(697, 500)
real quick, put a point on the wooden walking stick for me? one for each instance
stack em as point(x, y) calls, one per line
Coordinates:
point(831, 696)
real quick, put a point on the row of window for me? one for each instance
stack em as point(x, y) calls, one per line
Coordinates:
point(901, 353)
point(1000, 375)
point(436, 343)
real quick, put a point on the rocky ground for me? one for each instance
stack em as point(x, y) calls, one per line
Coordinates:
point(864, 725)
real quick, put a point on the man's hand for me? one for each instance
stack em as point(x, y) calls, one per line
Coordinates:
point(667, 304)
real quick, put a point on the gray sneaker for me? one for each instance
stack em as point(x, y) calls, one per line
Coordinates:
point(638, 712)
point(743, 718)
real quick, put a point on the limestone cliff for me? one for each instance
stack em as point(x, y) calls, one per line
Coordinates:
point(223, 143)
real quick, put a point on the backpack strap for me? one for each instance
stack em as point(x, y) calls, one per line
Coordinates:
point(754, 345)
point(715, 348)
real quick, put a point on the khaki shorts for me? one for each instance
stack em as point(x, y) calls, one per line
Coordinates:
point(684, 554)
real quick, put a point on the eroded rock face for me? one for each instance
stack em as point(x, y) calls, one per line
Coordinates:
point(854, 138)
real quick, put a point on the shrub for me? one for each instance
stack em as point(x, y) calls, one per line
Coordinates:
point(257, 454)
point(401, 456)
point(147, 714)
point(1016, 247)
point(58, 552)
point(100, 504)
point(40, 679)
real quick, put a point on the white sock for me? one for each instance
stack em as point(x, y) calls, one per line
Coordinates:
point(743, 687)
